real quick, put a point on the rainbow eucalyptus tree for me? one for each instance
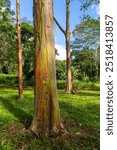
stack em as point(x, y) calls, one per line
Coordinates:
point(46, 117)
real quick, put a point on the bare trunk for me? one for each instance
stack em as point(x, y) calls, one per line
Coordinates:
point(46, 108)
point(69, 84)
point(67, 37)
point(20, 84)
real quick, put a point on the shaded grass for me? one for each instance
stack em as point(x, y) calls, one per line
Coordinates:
point(80, 115)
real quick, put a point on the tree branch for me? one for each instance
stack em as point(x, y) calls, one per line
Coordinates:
point(59, 26)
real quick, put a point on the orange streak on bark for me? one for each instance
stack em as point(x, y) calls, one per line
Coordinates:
point(47, 115)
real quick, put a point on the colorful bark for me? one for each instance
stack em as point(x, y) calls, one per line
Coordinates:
point(46, 108)
point(20, 80)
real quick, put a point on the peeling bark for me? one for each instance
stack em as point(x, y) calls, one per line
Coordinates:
point(46, 108)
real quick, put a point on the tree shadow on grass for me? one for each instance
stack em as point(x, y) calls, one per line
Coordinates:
point(84, 121)
point(80, 93)
point(4, 91)
point(23, 117)
point(88, 115)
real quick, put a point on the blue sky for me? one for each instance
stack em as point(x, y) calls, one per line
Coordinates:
point(59, 13)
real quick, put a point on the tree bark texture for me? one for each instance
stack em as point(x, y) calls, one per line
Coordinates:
point(46, 108)
point(20, 80)
point(69, 83)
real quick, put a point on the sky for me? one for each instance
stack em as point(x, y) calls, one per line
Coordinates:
point(26, 10)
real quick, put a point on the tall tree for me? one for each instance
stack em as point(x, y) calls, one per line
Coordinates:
point(20, 80)
point(86, 35)
point(46, 118)
point(69, 85)
point(85, 46)
point(67, 37)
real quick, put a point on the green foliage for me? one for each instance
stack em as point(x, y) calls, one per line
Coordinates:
point(86, 35)
point(61, 84)
point(87, 63)
point(8, 42)
point(8, 49)
point(8, 80)
point(80, 113)
point(27, 32)
point(85, 53)
point(11, 80)
point(79, 85)
point(8, 53)
point(61, 70)
point(6, 14)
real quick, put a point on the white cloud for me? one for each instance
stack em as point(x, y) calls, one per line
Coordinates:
point(61, 51)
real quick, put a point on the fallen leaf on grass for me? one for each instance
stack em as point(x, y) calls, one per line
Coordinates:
point(78, 133)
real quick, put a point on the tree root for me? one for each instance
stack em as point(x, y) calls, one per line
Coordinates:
point(54, 132)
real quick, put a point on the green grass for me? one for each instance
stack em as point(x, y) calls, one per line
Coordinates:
point(80, 115)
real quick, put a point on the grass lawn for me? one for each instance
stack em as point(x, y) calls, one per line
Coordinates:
point(80, 115)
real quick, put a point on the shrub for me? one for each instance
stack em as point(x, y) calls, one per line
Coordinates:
point(8, 80)
point(61, 84)
point(12, 80)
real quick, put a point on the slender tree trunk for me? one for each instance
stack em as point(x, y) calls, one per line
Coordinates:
point(96, 64)
point(97, 72)
point(46, 108)
point(20, 84)
point(67, 37)
point(69, 83)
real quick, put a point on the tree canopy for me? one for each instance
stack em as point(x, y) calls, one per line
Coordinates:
point(86, 35)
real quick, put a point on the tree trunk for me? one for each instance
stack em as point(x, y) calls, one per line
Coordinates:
point(69, 84)
point(20, 84)
point(46, 118)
